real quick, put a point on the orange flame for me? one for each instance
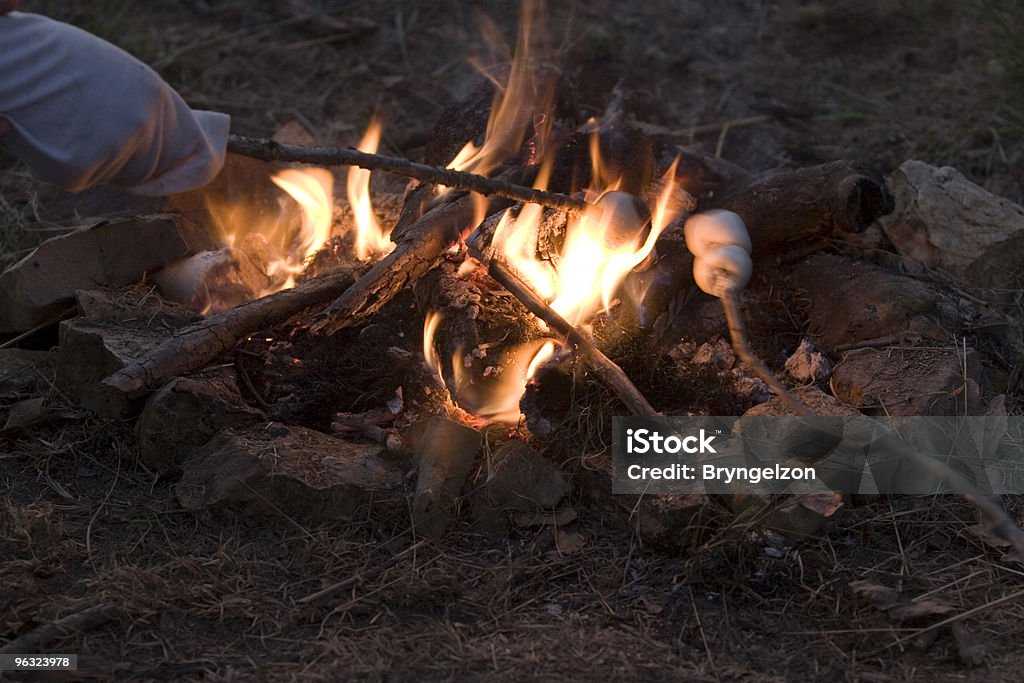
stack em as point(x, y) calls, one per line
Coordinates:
point(272, 240)
point(313, 189)
point(430, 325)
point(371, 238)
point(601, 247)
point(495, 396)
point(521, 105)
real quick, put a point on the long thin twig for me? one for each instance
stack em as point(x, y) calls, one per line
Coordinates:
point(602, 366)
point(738, 331)
point(269, 150)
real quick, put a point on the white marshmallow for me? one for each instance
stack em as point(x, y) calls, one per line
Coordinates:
point(722, 268)
point(704, 231)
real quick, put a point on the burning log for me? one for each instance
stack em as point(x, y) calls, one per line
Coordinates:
point(417, 250)
point(198, 344)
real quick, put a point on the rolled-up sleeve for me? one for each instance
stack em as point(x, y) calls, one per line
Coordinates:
point(84, 112)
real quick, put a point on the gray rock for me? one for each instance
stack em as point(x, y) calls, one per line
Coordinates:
point(185, 414)
point(42, 285)
point(295, 472)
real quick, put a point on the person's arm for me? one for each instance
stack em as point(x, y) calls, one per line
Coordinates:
point(80, 112)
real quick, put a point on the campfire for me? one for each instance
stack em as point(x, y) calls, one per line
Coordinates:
point(539, 272)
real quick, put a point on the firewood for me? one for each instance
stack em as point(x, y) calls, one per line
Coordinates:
point(196, 345)
point(416, 252)
point(784, 206)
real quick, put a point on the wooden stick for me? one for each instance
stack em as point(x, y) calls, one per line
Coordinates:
point(269, 150)
point(37, 639)
point(196, 345)
point(741, 345)
point(602, 366)
point(418, 249)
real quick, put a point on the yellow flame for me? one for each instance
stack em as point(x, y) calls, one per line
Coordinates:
point(430, 325)
point(496, 397)
point(371, 238)
point(313, 189)
point(601, 247)
point(521, 105)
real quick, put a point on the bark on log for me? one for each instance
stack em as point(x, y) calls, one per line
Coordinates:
point(198, 344)
point(416, 252)
point(787, 205)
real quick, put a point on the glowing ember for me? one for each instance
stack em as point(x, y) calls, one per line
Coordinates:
point(371, 238)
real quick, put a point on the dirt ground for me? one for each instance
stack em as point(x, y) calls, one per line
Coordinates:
point(766, 84)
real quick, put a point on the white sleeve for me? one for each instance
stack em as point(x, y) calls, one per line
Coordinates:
point(84, 112)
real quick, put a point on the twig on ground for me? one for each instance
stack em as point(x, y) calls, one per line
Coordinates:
point(269, 150)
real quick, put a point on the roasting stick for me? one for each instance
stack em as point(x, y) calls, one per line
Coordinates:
point(269, 150)
point(602, 366)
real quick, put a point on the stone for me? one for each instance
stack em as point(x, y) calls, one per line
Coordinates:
point(946, 222)
point(185, 413)
point(807, 364)
point(814, 398)
point(516, 479)
point(41, 287)
point(445, 454)
point(214, 281)
point(854, 301)
point(118, 327)
point(292, 472)
point(906, 381)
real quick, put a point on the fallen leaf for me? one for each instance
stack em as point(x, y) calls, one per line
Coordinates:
point(880, 596)
point(569, 542)
point(928, 607)
point(896, 606)
point(26, 414)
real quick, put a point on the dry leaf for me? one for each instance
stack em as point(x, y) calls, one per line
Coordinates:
point(26, 414)
point(569, 542)
point(896, 606)
point(880, 596)
point(928, 607)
